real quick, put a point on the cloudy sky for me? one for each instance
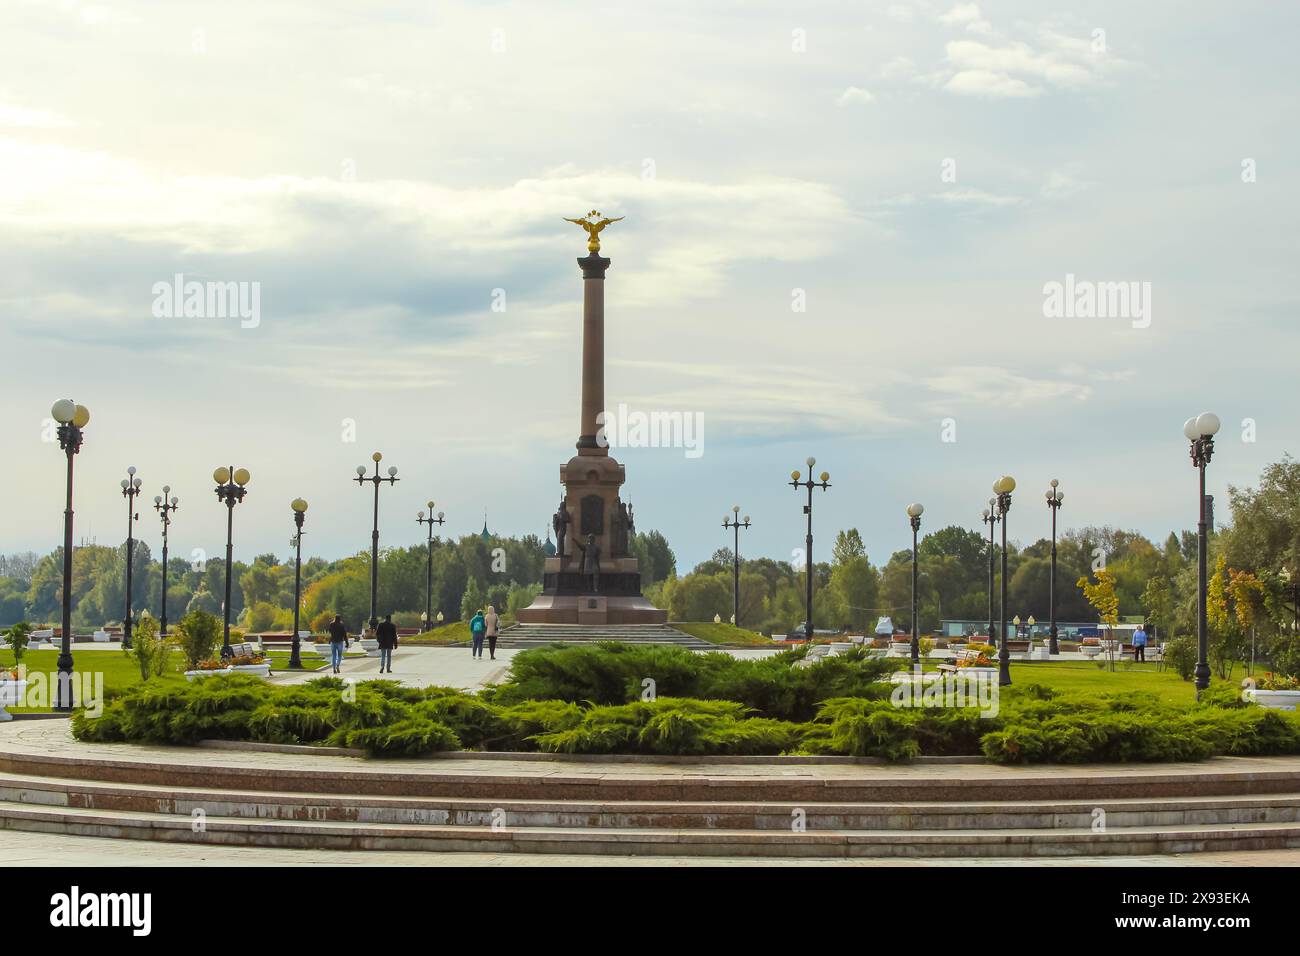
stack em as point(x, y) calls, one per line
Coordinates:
point(840, 220)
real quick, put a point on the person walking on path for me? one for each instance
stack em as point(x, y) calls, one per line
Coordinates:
point(493, 625)
point(338, 640)
point(1140, 645)
point(477, 628)
point(386, 635)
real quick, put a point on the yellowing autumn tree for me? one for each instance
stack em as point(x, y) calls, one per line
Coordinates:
point(1101, 595)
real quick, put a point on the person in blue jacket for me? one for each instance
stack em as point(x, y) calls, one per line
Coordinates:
point(477, 631)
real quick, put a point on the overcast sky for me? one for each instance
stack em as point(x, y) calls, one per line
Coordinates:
point(911, 174)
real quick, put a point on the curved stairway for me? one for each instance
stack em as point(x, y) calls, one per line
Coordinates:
point(753, 807)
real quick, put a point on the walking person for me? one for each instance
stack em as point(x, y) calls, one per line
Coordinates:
point(477, 628)
point(386, 635)
point(1140, 645)
point(493, 625)
point(338, 640)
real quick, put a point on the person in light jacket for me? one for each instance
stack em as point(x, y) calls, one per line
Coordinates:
point(493, 625)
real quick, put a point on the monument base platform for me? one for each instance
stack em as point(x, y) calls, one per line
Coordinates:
point(591, 609)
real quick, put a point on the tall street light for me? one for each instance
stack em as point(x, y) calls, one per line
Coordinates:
point(914, 512)
point(299, 507)
point(1200, 431)
point(130, 488)
point(1291, 585)
point(735, 524)
point(165, 507)
point(1003, 488)
point(428, 572)
point(1054, 498)
point(796, 483)
point(230, 492)
point(72, 418)
point(376, 479)
point(991, 518)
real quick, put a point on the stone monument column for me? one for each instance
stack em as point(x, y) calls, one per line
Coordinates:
point(594, 517)
point(593, 352)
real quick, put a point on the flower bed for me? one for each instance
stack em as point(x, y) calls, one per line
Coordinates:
point(575, 700)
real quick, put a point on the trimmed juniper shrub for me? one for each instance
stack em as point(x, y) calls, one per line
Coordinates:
point(413, 737)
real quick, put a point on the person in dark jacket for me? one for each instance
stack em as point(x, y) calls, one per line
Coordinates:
point(338, 640)
point(386, 635)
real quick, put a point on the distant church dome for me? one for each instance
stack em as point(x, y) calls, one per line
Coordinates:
point(548, 548)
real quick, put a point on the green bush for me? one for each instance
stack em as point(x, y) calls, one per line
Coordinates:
point(1180, 654)
point(412, 737)
point(197, 635)
point(1033, 725)
point(612, 673)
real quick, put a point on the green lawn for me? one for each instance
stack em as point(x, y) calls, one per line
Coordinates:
point(1088, 677)
point(456, 632)
point(311, 662)
point(119, 670)
point(721, 633)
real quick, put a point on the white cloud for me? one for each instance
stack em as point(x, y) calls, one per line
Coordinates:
point(995, 386)
point(854, 94)
point(977, 197)
point(990, 84)
point(25, 117)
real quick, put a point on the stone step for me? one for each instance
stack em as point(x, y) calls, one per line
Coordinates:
point(672, 781)
point(216, 829)
point(540, 635)
point(435, 811)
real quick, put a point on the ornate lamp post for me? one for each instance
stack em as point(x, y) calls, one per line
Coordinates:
point(1291, 585)
point(1054, 498)
point(1003, 488)
point(299, 506)
point(914, 512)
point(72, 418)
point(735, 526)
point(428, 573)
point(1200, 431)
point(991, 518)
point(230, 492)
point(1015, 622)
point(1029, 627)
point(130, 488)
point(165, 507)
point(376, 479)
point(796, 483)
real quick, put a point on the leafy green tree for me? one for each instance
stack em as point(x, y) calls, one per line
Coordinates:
point(857, 586)
point(848, 545)
point(198, 635)
point(19, 636)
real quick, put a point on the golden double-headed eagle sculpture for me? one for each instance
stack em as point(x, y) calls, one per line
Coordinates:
point(592, 223)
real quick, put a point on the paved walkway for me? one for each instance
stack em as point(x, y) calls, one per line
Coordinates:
point(419, 667)
point(20, 848)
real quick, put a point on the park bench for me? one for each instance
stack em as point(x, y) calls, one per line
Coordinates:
point(1018, 647)
point(961, 655)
